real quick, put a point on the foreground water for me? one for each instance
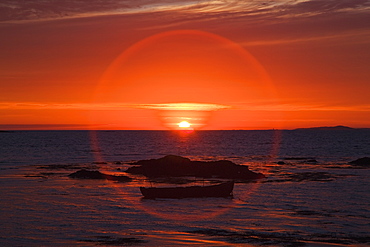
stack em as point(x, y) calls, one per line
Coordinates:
point(311, 196)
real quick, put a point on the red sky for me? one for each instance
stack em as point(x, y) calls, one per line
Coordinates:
point(236, 64)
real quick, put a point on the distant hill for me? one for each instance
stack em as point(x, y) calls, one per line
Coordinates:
point(339, 127)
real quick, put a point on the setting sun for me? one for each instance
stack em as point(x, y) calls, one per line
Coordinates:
point(184, 124)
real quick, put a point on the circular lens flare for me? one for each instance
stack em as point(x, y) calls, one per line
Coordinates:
point(168, 78)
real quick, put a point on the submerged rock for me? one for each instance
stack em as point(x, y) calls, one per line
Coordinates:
point(177, 166)
point(311, 161)
point(311, 176)
point(365, 161)
point(115, 241)
point(85, 174)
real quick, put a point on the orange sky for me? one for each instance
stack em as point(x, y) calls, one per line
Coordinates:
point(280, 64)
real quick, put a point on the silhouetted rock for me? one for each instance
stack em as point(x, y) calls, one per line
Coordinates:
point(365, 161)
point(298, 158)
point(339, 127)
point(85, 174)
point(177, 166)
point(302, 159)
point(311, 176)
point(114, 241)
point(311, 161)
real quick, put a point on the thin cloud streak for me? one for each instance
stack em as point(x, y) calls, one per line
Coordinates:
point(357, 36)
point(183, 107)
point(186, 107)
point(303, 107)
point(118, 106)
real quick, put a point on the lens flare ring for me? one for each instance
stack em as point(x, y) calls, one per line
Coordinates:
point(214, 75)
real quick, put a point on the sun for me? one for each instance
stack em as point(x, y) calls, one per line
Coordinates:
point(184, 124)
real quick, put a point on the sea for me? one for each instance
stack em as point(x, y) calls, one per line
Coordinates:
point(312, 195)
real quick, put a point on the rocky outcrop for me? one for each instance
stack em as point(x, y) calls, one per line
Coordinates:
point(338, 127)
point(86, 174)
point(177, 166)
point(364, 162)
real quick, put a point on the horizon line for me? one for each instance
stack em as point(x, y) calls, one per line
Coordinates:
point(74, 127)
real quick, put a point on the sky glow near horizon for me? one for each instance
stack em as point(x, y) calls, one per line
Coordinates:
point(316, 53)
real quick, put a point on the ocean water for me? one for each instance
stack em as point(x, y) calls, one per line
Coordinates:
point(311, 196)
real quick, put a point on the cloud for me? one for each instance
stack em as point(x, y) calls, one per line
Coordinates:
point(118, 106)
point(45, 126)
point(315, 7)
point(183, 107)
point(355, 37)
point(35, 10)
point(259, 106)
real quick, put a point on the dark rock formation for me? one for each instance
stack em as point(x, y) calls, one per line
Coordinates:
point(311, 176)
point(114, 241)
point(299, 158)
point(311, 161)
point(339, 127)
point(177, 166)
point(85, 174)
point(302, 159)
point(365, 161)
